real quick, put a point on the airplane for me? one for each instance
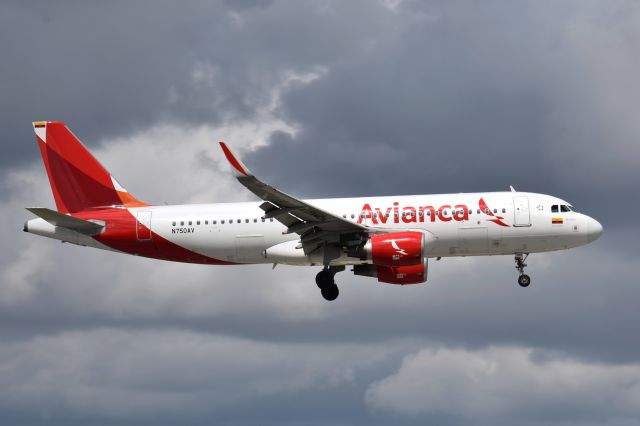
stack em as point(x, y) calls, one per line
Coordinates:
point(388, 238)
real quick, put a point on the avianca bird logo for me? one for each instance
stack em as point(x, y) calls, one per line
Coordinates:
point(398, 249)
point(496, 219)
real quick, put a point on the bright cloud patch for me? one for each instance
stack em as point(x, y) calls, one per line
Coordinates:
point(505, 382)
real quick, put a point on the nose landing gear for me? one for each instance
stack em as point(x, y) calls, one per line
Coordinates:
point(326, 282)
point(524, 280)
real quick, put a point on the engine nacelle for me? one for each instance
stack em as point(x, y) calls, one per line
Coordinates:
point(396, 249)
point(412, 274)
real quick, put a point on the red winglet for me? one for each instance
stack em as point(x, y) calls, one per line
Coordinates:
point(235, 162)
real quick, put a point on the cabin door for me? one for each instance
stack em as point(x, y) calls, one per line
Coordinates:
point(521, 211)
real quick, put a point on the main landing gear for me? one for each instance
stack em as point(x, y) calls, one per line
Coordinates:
point(524, 280)
point(326, 282)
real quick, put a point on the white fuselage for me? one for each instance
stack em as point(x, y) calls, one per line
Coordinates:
point(454, 224)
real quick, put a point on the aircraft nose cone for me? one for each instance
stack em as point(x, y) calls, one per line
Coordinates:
point(594, 230)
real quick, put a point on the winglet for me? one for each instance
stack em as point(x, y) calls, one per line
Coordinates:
point(239, 168)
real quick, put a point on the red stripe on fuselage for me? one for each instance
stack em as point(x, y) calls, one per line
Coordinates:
point(120, 234)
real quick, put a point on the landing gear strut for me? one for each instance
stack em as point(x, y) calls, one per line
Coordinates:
point(524, 280)
point(327, 284)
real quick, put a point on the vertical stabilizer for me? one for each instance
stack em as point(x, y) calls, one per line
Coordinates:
point(78, 180)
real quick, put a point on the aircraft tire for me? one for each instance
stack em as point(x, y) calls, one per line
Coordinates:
point(324, 279)
point(330, 292)
point(524, 280)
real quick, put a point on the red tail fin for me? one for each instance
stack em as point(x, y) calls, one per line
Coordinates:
point(78, 180)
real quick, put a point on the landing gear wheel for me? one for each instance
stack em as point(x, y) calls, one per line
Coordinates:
point(330, 292)
point(324, 279)
point(524, 280)
point(326, 282)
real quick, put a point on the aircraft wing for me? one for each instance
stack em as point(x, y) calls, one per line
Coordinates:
point(312, 223)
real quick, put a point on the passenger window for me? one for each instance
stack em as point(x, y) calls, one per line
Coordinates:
point(206, 222)
point(353, 216)
point(478, 211)
point(262, 218)
point(213, 221)
point(420, 213)
point(190, 223)
point(255, 220)
point(271, 220)
point(470, 211)
point(173, 224)
point(222, 221)
point(198, 223)
point(246, 221)
point(554, 208)
point(504, 210)
point(375, 215)
point(182, 223)
point(564, 209)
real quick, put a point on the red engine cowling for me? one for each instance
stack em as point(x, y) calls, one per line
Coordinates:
point(412, 274)
point(396, 249)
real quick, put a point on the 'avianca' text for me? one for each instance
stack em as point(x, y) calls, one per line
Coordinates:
point(410, 214)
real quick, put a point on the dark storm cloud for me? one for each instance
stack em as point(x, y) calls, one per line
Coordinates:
point(111, 69)
point(413, 97)
point(457, 101)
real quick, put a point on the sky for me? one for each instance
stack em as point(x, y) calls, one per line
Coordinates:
point(323, 99)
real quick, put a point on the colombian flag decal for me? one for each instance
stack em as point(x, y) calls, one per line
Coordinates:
point(557, 221)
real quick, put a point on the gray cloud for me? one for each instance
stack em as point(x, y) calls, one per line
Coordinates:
point(472, 385)
point(521, 96)
point(348, 99)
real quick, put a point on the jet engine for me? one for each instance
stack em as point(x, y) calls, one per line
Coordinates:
point(396, 258)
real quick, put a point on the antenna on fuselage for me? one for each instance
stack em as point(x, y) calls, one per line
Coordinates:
point(512, 188)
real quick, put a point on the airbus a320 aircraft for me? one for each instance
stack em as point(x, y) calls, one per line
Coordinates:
point(388, 238)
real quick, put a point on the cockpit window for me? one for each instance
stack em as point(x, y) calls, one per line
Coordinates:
point(554, 208)
point(564, 209)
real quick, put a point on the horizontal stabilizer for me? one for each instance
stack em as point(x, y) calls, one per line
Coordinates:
point(65, 221)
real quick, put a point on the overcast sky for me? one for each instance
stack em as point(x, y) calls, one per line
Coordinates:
point(324, 98)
